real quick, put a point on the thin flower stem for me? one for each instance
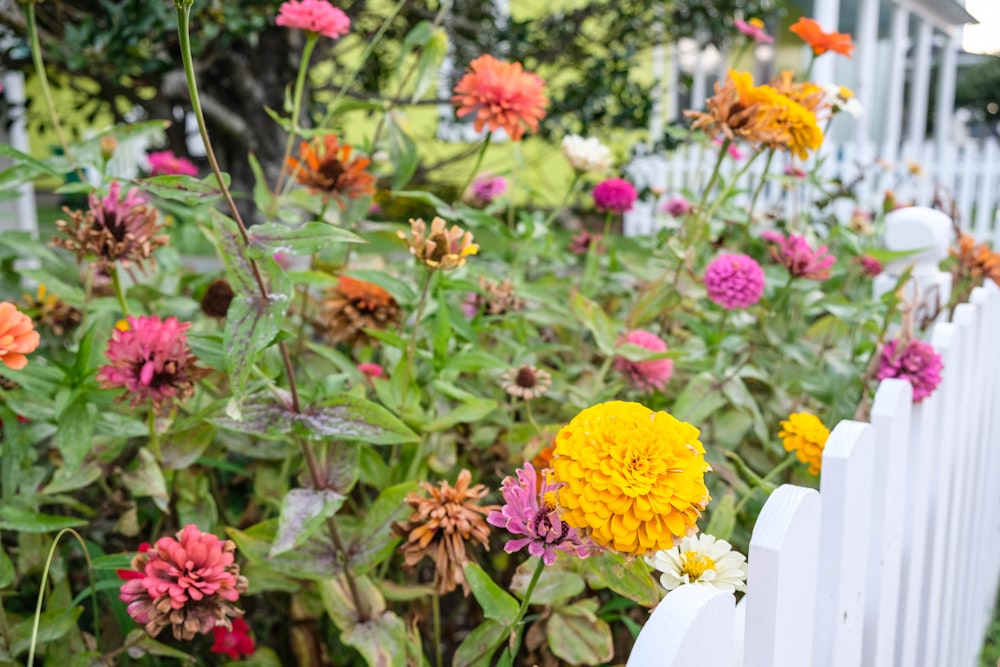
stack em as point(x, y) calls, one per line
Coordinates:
point(530, 416)
point(116, 283)
point(786, 463)
point(730, 187)
point(515, 625)
point(479, 161)
point(436, 611)
point(760, 188)
point(562, 204)
point(723, 151)
point(300, 84)
point(411, 349)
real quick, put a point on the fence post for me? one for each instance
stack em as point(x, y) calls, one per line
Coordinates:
point(781, 592)
point(692, 626)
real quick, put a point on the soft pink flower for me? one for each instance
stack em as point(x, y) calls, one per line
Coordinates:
point(165, 163)
point(871, 266)
point(676, 206)
point(189, 583)
point(754, 29)
point(152, 361)
point(233, 643)
point(282, 260)
point(648, 375)
point(316, 16)
point(530, 510)
point(916, 362)
point(800, 260)
point(370, 370)
point(734, 281)
point(734, 151)
point(487, 187)
point(580, 244)
point(794, 172)
point(615, 195)
point(470, 305)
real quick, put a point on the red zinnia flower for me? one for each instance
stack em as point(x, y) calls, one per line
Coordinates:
point(235, 642)
point(820, 41)
point(502, 95)
point(326, 166)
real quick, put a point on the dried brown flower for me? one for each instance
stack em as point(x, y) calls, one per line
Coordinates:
point(215, 302)
point(975, 261)
point(736, 113)
point(441, 525)
point(499, 299)
point(526, 382)
point(353, 306)
point(440, 247)
point(51, 312)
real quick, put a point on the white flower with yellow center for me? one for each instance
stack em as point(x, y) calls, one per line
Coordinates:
point(586, 155)
point(843, 99)
point(701, 559)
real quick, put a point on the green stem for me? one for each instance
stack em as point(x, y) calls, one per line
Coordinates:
point(590, 266)
point(786, 463)
point(562, 204)
point(411, 349)
point(154, 437)
point(729, 188)
point(515, 625)
point(760, 188)
point(530, 416)
point(479, 161)
point(300, 84)
point(436, 611)
point(723, 150)
point(116, 283)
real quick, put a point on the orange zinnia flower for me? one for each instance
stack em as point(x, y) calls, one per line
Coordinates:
point(326, 166)
point(17, 336)
point(821, 42)
point(501, 94)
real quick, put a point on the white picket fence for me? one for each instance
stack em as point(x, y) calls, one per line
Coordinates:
point(966, 172)
point(895, 561)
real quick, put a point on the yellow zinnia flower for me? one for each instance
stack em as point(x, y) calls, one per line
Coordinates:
point(796, 126)
point(805, 435)
point(634, 478)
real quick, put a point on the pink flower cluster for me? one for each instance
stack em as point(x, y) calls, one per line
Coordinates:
point(165, 163)
point(915, 361)
point(316, 16)
point(649, 375)
point(734, 281)
point(487, 187)
point(529, 510)
point(614, 195)
point(796, 255)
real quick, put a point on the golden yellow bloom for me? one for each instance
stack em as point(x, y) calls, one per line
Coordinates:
point(442, 248)
point(634, 478)
point(734, 113)
point(806, 93)
point(795, 126)
point(805, 435)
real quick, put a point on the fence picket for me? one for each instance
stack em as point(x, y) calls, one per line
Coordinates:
point(692, 626)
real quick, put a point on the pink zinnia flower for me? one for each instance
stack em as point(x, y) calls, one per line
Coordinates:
point(614, 195)
point(648, 375)
point(370, 370)
point(871, 266)
point(316, 16)
point(915, 361)
point(794, 172)
point(189, 583)
point(800, 260)
point(734, 151)
point(487, 187)
point(152, 361)
point(734, 281)
point(530, 510)
point(580, 244)
point(754, 29)
point(676, 206)
point(165, 163)
point(235, 642)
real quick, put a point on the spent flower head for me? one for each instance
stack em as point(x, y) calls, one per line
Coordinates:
point(800, 259)
point(352, 307)
point(526, 382)
point(439, 247)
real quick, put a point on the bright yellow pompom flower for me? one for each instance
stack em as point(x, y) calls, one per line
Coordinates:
point(634, 478)
point(805, 435)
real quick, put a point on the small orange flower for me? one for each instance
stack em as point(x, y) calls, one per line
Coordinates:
point(17, 336)
point(326, 166)
point(821, 42)
point(501, 94)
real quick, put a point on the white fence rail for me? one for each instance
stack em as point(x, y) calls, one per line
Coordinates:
point(968, 173)
point(895, 561)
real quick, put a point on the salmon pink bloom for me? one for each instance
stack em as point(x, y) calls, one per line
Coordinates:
point(614, 195)
point(17, 336)
point(800, 260)
point(315, 16)
point(501, 95)
point(649, 375)
point(165, 163)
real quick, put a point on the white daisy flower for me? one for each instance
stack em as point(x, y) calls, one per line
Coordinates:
point(701, 559)
point(586, 154)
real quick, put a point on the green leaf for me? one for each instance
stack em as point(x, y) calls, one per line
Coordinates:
point(52, 625)
point(630, 578)
point(183, 444)
point(722, 517)
point(75, 431)
point(478, 647)
point(187, 190)
point(442, 330)
point(113, 562)
point(577, 636)
point(554, 585)
point(430, 61)
point(368, 545)
point(28, 521)
point(469, 412)
point(381, 641)
point(497, 603)
point(443, 209)
point(700, 398)
point(736, 391)
point(273, 237)
point(595, 319)
point(303, 512)
point(474, 360)
point(146, 645)
point(316, 559)
point(339, 603)
point(261, 192)
point(144, 478)
point(402, 153)
point(6, 569)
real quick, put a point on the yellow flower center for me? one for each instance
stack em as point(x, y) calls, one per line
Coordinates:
point(694, 564)
point(757, 23)
point(550, 499)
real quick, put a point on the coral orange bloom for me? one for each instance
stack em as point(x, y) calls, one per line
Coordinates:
point(326, 166)
point(17, 336)
point(501, 94)
point(820, 41)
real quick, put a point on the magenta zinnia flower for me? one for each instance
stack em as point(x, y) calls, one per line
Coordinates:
point(648, 375)
point(871, 266)
point(165, 163)
point(580, 244)
point(614, 195)
point(152, 361)
point(530, 510)
point(800, 260)
point(487, 187)
point(754, 29)
point(676, 206)
point(189, 583)
point(734, 281)
point(316, 16)
point(915, 361)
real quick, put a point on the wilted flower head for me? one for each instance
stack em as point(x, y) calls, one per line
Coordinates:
point(150, 358)
point(754, 29)
point(861, 222)
point(580, 243)
point(647, 375)
point(701, 559)
point(820, 41)
point(614, 195)
point(586, 155)
point(217, 298)
point(441, 525)
point(975, 261)
point(676, 206)
point(634, 479)
point(352, 306)
point(17, 336)
point(526, 382)
point(316, 16)
point(530, 510)
point(190, 583)
point(871, 266)
point(235, 642)
point(734, 281)
point(51, 312)
point(501, 95)
point(165, 163)
point(915, 361)
point(113, 229)
point(487, 187)
point(736, 112)
point(796, 255)
point(499, 299)
point(440, 247)
point(805, 434)
point(326, 166)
